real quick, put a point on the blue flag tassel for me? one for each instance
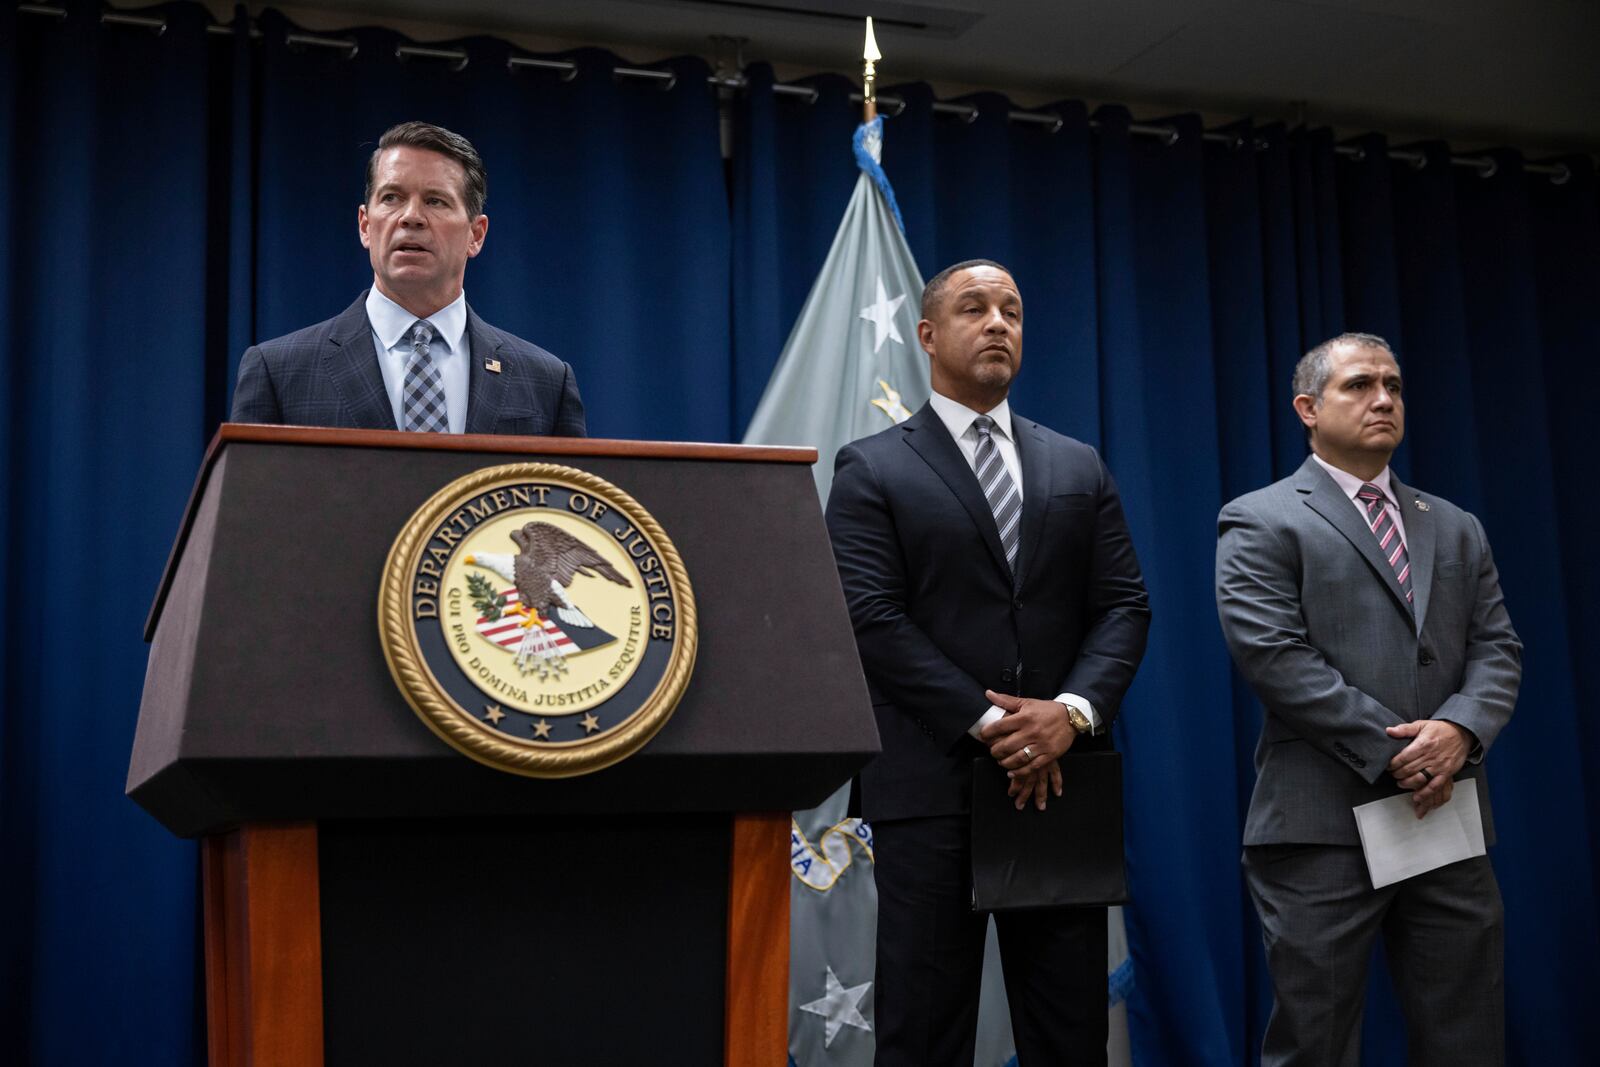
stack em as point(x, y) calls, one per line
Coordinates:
point(868, 146)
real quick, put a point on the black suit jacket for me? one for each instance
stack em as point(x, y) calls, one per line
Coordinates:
point(939, 618)
point(328, 375)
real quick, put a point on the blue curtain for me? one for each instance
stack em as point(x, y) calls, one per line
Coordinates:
point(104, 304)
point(1170, 290)
point(166, 199)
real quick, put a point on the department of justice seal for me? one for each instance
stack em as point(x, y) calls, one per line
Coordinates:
point(538, 619)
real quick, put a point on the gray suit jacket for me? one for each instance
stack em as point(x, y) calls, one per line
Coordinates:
point(1320, 629)
point(328, 375)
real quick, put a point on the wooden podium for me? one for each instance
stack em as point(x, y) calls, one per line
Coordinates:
point(371, 895)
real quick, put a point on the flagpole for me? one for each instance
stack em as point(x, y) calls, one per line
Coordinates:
point(869, 76)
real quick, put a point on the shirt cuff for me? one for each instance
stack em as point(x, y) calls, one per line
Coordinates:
point(994, 714)
point(1076, 701)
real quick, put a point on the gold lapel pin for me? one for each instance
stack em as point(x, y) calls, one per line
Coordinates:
point(1422, 505)
point(492, 366)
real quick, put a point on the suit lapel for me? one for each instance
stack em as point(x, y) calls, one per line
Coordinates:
point(1421, 542)
point(485, 388)
point(929, 438)
point(1324, 496)
point(352, 365)
point(1034, 455)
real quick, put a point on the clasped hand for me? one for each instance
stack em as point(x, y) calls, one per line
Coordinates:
point(1043, 729)
point(1438, 747)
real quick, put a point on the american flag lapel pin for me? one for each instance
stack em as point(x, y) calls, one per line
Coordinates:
point(492, 366)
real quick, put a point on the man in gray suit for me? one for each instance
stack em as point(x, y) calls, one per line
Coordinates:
point(410, 354)
point(1367, 616)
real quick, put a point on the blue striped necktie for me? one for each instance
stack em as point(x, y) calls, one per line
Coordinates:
point(999, 489)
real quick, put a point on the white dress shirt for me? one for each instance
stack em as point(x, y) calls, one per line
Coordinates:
point(1352, 485)
point(958, 419)
point(391, 336)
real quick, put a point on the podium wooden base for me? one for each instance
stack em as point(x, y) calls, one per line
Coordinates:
point(264, 959)
point(263, 932)
point(756, 1027)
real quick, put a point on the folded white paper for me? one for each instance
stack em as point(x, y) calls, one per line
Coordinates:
point(1398, 845)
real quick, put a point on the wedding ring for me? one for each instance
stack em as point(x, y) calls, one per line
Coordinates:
point(1427, 775)
point(1028, 751)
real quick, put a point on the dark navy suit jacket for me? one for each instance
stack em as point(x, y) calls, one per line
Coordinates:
point(328, 375)
point(939, 618)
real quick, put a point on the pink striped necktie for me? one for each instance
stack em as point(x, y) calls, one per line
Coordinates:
point(1390, 543)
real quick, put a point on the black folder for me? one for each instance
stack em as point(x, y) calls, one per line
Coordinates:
point(1069, 855)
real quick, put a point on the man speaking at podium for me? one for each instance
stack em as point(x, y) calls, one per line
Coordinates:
point(410, 354)
point(999, 612)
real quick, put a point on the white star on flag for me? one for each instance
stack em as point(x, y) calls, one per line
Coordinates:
point(881, 315)
point(839, 1006)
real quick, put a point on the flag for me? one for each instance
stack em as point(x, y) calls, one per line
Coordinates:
point(851, 367)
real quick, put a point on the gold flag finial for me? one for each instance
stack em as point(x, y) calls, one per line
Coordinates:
point(869, 75)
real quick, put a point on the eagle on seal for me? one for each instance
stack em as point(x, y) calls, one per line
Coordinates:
point(547, 560)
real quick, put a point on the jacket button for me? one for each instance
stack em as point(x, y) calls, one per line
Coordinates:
point(1424, 657)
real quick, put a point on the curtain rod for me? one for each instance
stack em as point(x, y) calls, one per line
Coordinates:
point(1485, 166)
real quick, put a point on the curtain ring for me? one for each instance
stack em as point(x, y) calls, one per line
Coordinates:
point(157, 27)
point(301, 41)
point(458, 57)
point(665, 78)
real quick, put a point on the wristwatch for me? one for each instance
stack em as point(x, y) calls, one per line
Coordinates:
point(1080, 722)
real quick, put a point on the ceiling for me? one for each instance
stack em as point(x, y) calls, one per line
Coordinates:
point(1479, 72)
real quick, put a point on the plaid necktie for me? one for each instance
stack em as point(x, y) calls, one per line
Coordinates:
point(1004, 500)
point(422, 395)
point(1390, 543)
